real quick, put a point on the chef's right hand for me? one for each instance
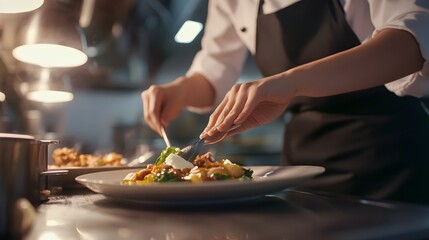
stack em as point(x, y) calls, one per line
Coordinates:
point(163, 103)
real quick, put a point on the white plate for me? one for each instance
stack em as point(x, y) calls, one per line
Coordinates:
point(267, 179)
point(68, 180)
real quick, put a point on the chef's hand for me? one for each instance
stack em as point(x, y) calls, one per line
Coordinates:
point(163, 103)
point(249, 105)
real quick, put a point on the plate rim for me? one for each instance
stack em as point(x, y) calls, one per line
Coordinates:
point(177, 193)
point(186, 184)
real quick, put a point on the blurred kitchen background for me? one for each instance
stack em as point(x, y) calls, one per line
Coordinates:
point(92, 102)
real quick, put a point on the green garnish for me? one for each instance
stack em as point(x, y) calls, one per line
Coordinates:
point(165, 153)
point(247, 174)
point(165, 176)
point(220, 176)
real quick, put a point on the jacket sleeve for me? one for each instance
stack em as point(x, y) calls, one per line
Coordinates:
point(411, 16)
point(222, 53)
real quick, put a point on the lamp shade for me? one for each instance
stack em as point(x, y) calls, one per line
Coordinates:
point(18, 6)
point(52, 37)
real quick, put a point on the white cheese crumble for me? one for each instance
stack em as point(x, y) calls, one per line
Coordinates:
point(178, 162)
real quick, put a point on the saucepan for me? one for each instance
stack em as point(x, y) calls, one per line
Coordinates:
point(23, 175)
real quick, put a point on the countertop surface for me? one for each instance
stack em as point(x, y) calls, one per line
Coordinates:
point(291, 214)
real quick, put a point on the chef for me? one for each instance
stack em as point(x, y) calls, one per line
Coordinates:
point(350, 72)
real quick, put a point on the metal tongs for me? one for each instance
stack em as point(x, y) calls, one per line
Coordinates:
point(190, 152)
point(186, 152)
point(164, 136)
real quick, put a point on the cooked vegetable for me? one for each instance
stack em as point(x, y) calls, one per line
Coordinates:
point(175, 169)
point(220, 176)
point(247, 174)
point(234, 170)
point(164, 154)
point(68, 157)
point(166, 176)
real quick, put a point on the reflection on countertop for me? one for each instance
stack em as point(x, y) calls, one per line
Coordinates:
point(292, 214)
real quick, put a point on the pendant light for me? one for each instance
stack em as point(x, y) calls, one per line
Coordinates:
point(49, 88)
point(19, 6)
point(52, 37)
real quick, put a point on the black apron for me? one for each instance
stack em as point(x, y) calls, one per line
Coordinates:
point(371, 142)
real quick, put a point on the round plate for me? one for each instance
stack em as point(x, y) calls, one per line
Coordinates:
point(68, 180)
point(267, 179)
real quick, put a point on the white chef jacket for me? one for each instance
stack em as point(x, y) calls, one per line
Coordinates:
point(230, 33)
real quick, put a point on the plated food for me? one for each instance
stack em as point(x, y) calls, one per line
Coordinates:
point(171, 167)
point(69, 157)
point(266, 180)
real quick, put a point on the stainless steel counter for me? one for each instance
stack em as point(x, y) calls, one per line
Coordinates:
point(293, 214)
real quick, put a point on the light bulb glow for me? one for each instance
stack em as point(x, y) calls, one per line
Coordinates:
point(2, 97)
point(49, 96)
point(50, 55)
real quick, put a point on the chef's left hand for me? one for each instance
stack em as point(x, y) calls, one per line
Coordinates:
point(249, 105)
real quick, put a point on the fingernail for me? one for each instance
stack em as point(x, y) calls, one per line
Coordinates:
point(238, 121)
point(211, 132)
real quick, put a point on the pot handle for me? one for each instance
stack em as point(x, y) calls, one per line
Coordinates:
point(48, 141)
point(54, 172)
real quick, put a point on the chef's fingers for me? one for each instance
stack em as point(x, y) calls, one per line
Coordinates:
point(169, 112)
point(156, 106)
point(243, 99)
point(218, 115)
point(224, 111)
point(235, 130)
point(147, 116)
point(152, 102)
point(217, 123)
point(232, 106)
point(212, 121)
point(215, 115)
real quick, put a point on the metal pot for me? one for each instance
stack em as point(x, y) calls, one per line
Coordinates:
point(23, 173)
